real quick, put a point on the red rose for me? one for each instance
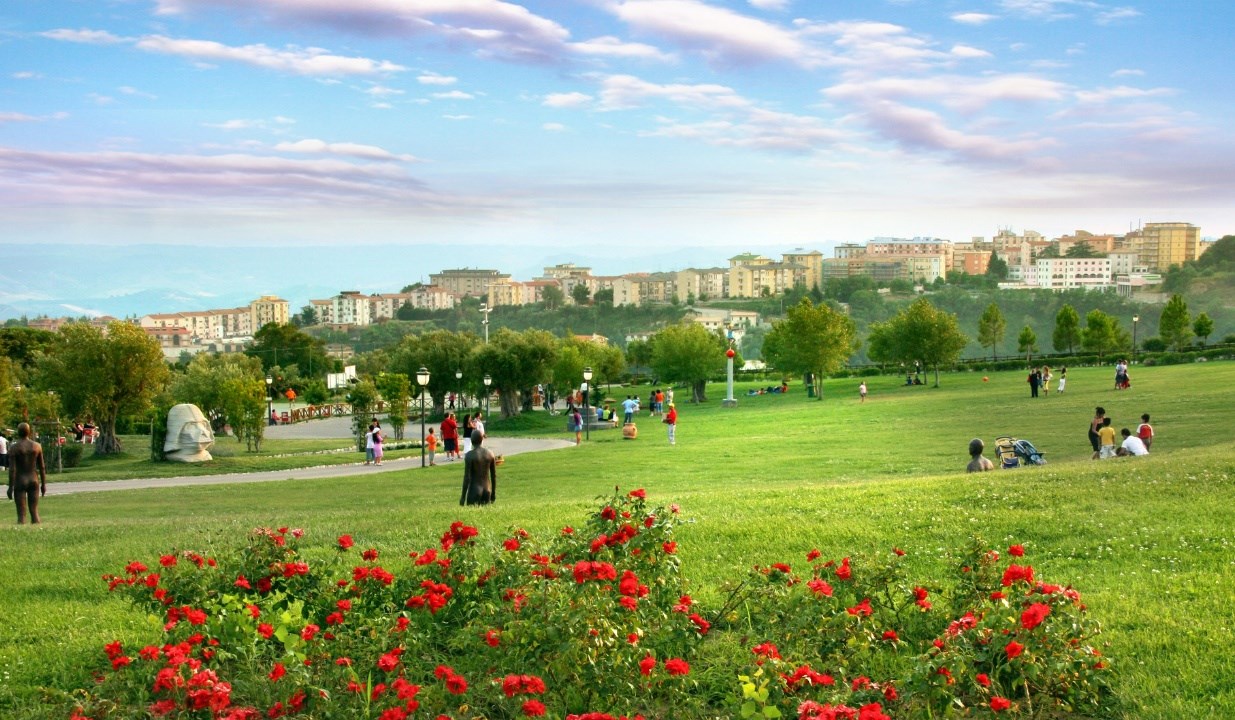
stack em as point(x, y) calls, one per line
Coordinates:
point(999, 704)
point(677, 666)
point(1034, 615)
point(1014, 649)
point(1016, 550)
point(345, 541)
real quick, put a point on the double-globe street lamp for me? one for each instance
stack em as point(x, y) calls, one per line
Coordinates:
point(269, 400)
point(458, 384)
point(488, 382)
point(1135, 320)
point(587, 420)
point(422, 379)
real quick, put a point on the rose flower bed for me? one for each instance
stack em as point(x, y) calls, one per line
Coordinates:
point(592, 623)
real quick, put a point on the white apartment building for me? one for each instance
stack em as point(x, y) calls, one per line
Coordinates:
point(1072, 273)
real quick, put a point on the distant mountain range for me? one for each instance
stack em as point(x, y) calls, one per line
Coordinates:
point(135, 280)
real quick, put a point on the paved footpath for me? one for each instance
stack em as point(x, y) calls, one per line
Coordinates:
point(332, 428)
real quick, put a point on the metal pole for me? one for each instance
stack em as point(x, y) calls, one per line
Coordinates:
point(587, 399)
point(422, 427)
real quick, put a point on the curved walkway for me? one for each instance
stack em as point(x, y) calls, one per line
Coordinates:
point(332, 428)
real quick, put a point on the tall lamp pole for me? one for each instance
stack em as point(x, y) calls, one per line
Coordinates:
point(488, 382)
point(459, 384)
point(269, 400)
point(1135, 320)
point(422, 379)
point(486, 310)
point(587, 392)
point(729, 400)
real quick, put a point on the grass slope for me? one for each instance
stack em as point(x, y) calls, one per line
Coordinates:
point(1147, 541)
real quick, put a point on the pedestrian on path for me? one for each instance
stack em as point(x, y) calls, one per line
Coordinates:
point(671, 419)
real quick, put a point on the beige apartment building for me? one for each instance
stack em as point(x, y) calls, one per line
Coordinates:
point(268, 309)
point(811, 261)
point(466, 282)
point(703, 283)
point(385, 306)
point(1161, 245)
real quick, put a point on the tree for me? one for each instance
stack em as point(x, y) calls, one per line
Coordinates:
point(229, 389)
point(286, 345)
point(442, 353)
point(396, 390)
point(1081, 250)
point(516, 361)
point(362, 396)
point(580, 294)
point(1203, 327)
point(104, 375)
point(552, 297)
point(306, 317)
point(688, 353)
point(1101, 334)
point(991, 329)
point(996, 267)
point(639, 354)
point(1067, 334)
point(1175, 326)
point(23, 345)
point(1027, 342)
point(921, 333)
point(603, 297)
point(812, 339)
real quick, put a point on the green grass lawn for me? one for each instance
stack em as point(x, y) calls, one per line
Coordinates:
point(1147, 541)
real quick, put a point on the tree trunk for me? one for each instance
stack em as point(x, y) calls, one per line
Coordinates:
point(107, 443)
point(508, 403)
point(698, 391)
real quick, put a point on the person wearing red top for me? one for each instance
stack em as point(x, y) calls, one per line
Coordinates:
point(671, 419)
point(450, 436)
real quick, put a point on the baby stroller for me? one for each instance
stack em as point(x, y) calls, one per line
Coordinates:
point(1015, 453)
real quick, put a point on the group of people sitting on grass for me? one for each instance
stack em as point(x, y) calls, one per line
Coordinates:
point(1102, 437)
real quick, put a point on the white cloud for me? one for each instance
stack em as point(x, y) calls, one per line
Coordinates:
point(431, 78)
point(1105, 17)
point(553, 127)
point(769, 4)
point(457, 117)
point(26, 75)
point(721, 35)
point(453, 95)
point(300, 61)
point(383, 91)
point(972, 18)
point(566, 100)
point(89, 37)
point(126, 90)
point(609, 46)
point(621, 92)
point(964, 94)
point(356, 150)
point(1124, 72)
point(965, 51)
point(920, 129)
point(1122, 92)
point(16, 117)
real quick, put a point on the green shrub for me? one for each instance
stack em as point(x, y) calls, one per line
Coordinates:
point(70, 454)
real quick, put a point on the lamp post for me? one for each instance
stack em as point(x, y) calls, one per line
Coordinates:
point(1135, 320)
point(486, 310)
point(587, 418)
point(488, 382)
point(422, 379)
point(459, 384)
point(269, 400)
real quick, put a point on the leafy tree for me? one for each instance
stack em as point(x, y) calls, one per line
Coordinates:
point(996, 267)
point(639, 354)
point(396, 390)
point(920, 333)
point(1050, 251)
point(1081, 250)
point(516, 361)
point(23, 345)
point(104, 375)
point(841, 289)
point(1100, 334)
point(812, 339)
point(688, 353)
point(363, 398)
point(552, 297)
point(991, 329)
point(1220, 254)
point(316, 392)
point(603, 297)
point(1175, 326)
point(441, 352)
point(306, 317)
point(1203, 327)
point(230, 389)
point(1027, 342)
point(580, 294)
point(286, 345)
point(1067, 334)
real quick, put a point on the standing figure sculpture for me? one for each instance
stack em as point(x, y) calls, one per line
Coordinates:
point(27, 475)
point(479, 474)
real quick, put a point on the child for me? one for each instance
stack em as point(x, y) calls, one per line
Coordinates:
point(1146, 431)
point(862, 391)
point(1063, 380)
point(431, 446)
point(1106, 435)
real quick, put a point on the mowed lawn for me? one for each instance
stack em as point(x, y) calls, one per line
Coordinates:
point(1147, 541)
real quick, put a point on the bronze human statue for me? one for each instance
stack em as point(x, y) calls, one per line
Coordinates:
point(479, 474)
point(27, 474)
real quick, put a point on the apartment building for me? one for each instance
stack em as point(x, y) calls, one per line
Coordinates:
point(466, 282)
point(268, 309)
point(811, 261)
point(1072, 274)
point(1161, 245)
point(702, 283)
point(385, 306)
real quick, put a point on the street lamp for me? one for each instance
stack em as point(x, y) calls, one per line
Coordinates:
point(486, 310)
point(459, 384)
point(729, 400)
point(422, 379)
point(587, 420)
point(488, 382)
point(269, 400)
point(1135, 320)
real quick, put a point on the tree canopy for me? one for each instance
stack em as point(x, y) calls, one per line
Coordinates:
point(991, 329)
point(1101, 334)
point(919, 333)
point(688, 353)
point(1175, 326)
point(230, 389)
point(1067, 334)
point(286, 345)
point(814, 339)
point(515, 361)
point(1027, 342)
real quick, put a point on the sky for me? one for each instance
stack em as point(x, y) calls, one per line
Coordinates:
point(624, 127)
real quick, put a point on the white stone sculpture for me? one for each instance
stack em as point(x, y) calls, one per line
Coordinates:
point(189, 437)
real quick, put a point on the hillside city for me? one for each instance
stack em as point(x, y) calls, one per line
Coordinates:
point(1121, 263)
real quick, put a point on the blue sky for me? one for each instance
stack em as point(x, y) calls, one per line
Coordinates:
point(627, 126)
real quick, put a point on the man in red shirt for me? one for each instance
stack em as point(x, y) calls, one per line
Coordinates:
point(450, 436)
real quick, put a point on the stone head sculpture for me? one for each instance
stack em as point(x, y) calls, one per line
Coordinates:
point(189, 437)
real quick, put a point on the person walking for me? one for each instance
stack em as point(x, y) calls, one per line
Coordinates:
point(1063, 380)
point(629, 405)
point(27, 475)
point(1099, 414)
point(4, 449)
point(862, 391)
point(368, 443)
point(377, 443)
point(1046, 380)
point(1145, 432)
point(576, 422)
point(671, 419)
point(450, 436)
point(1035, 378)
